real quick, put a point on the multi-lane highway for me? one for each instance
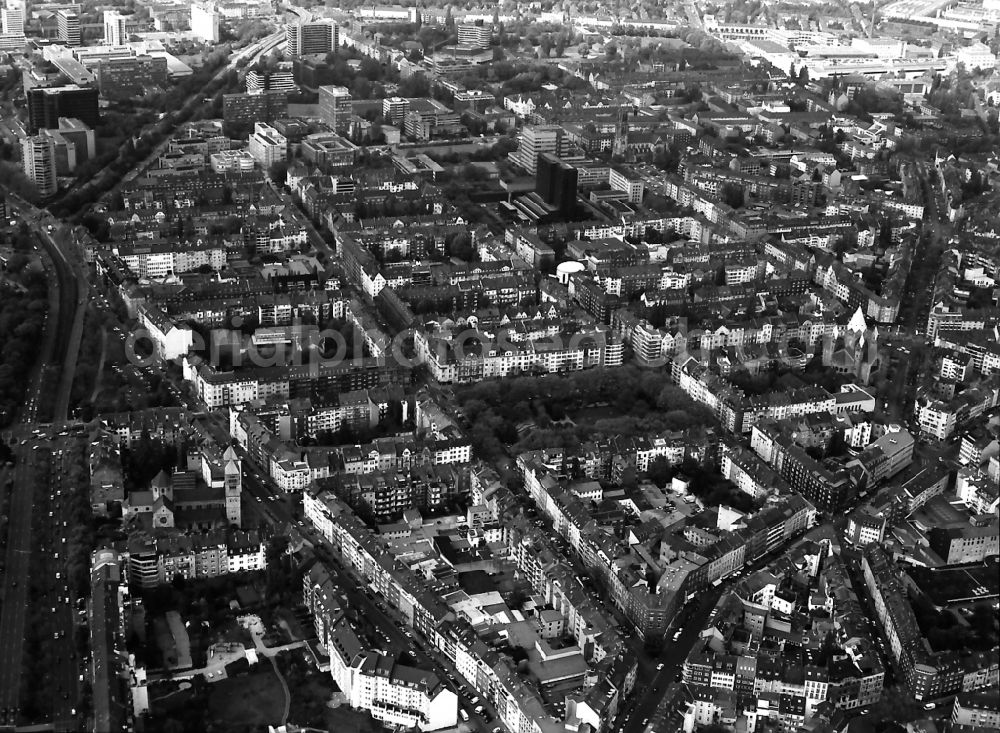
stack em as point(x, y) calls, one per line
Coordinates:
point(57, 602)
point(15, 585)
point(36, 585)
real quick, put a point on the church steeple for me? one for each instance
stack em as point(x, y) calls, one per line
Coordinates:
point(233, 472)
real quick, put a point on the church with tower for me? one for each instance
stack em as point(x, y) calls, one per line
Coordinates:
point(854, 349)
point(203, 494)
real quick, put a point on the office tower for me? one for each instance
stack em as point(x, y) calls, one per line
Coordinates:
point(309, 38)
point(335, 106)
point(69, 26)
point(12, 16)
point(205, 21)
point(47, 104)
point(535, 140)
point(38, 156)
point(394, 109)
point(556, 183)
point(118, 27)
point(475, 36)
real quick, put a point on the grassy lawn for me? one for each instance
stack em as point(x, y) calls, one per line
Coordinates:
point(345, 720)
point(256, 700)
point(167, 697)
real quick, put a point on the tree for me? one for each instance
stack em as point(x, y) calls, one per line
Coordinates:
point(15, 181)
point(461, 246)
point(732, 195)
point(659, 471)
point(278, 171)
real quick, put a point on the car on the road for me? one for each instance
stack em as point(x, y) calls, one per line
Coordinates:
point(659, 666)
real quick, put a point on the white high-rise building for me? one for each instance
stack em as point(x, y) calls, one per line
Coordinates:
point(335, 106)
point(38, 156)
point(118, 27)
point(304, 39)
point(205, 21)
point(12, 16)
point(69, 26)
point(535, 140)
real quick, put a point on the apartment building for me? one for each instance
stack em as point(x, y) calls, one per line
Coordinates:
point(157, 260)
point(482, 357)
point(401, 695)
point(217, 389)
point(979, 710)
point(928, 674)
point(149, 562)
point(386, 495)
point(38, 158)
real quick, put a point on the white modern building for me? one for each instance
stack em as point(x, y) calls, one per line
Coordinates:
point(205, 21)
point(12, 17)
point(976, 56)
point(267, 145)
point(118, 27)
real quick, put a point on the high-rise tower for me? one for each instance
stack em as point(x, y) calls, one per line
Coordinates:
point(38, 156)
